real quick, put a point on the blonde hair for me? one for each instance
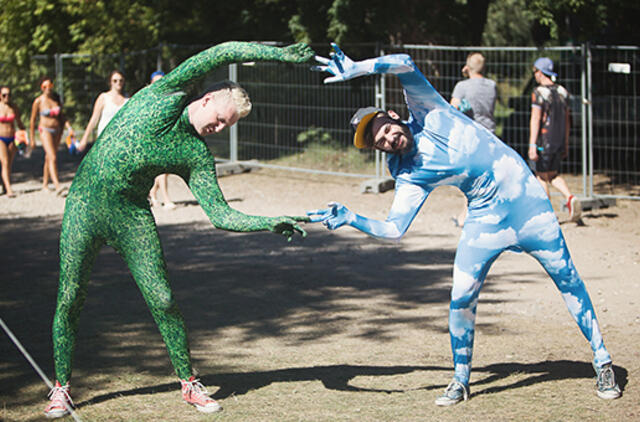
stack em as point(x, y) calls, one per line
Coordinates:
point(475, 62)
point(236, 93)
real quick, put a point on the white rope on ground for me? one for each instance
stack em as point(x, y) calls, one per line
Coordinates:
point(35, 365)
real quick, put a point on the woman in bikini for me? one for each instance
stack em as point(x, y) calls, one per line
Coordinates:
point(52, 121)
point(9, 117)
point(106, 106)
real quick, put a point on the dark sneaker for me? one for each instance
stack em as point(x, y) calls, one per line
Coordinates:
point(453, 394)
point(606, 386)
point(575, 208)
point(195, 394)
point(61, 403)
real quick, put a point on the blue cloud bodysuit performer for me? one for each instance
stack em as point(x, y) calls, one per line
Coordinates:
point(508, 209)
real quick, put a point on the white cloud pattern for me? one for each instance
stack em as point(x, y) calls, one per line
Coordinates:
point(534, 189)
point(463, 140)
point(573, 303)
point(544, 226)
point(553, 259)
point(508, 173)
point(499, 240)
point(489, 219)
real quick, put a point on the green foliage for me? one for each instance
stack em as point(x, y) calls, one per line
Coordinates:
point(573, 21)
point(99, 27)
point(315, 135)
point(323, 152)
point(509, 22)
point(29, 28)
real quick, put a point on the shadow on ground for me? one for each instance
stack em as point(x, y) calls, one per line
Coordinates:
point(220, 280)
point(25, 169)
point(339, 377)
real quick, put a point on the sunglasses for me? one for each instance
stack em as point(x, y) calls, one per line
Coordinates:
point(5, 94)
point(46, 84)
point(117, 80)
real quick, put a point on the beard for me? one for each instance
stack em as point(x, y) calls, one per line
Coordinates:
point(408, 136)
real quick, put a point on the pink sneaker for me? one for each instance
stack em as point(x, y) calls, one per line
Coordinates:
point(61, 403)
point(195, 394)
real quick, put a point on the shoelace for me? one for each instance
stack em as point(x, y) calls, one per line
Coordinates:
point(452, 386)
point(194, 387)
point(59, 394)
point(605, 377)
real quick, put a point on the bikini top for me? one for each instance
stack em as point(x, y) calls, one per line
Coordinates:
point(51, 112)
point(7, 119)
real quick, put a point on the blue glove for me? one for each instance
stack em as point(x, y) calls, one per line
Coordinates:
point(337, 215)
point(464, 106)
point(342, 67)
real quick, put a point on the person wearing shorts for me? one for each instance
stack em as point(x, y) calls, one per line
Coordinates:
point(549, 133)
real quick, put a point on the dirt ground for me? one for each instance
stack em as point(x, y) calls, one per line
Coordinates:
point(333, 327)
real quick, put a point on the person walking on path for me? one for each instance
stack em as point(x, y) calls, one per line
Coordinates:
point(48, 109)
point(105, 107)
point(9, 118)
point(549, 133)
point(478, 92)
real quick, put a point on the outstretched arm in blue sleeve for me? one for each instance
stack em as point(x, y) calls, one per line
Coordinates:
point(406, 204)
point(420, 95)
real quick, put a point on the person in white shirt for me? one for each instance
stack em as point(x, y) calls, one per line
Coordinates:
point(106, 106)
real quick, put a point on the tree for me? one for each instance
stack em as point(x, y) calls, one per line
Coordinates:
point(509, 22)
point(576, 21)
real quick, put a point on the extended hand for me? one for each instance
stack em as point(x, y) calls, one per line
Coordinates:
point(337, 215)
point(341, 66)
point(287, 226)
point(297, 53)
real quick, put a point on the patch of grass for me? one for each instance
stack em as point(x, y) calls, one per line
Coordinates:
point(330, 158)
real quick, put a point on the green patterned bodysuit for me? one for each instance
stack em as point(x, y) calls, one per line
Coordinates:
point(107, 202)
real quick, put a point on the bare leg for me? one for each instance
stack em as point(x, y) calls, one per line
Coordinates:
point(50, 160)
point(57, 139)
point(154, 190)
point(161, 182)
point(164, 189)
point(5, 162)
point(560, 184)
point(544, 183)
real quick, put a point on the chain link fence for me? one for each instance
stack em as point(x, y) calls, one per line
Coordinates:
point(299, 123)
point(614, 135)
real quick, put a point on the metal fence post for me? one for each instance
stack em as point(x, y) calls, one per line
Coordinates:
point(584, 101)
point(233, 130)
point(159, 56)
point(59, 76)
point(380, 103)
point(590, 118)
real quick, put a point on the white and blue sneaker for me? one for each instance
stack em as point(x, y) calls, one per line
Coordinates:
point(606, 386)
point(453, 394)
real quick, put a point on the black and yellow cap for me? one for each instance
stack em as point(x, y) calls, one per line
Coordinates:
point(359, 123)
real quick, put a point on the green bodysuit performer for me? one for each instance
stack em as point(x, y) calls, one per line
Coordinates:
point(159, 130)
